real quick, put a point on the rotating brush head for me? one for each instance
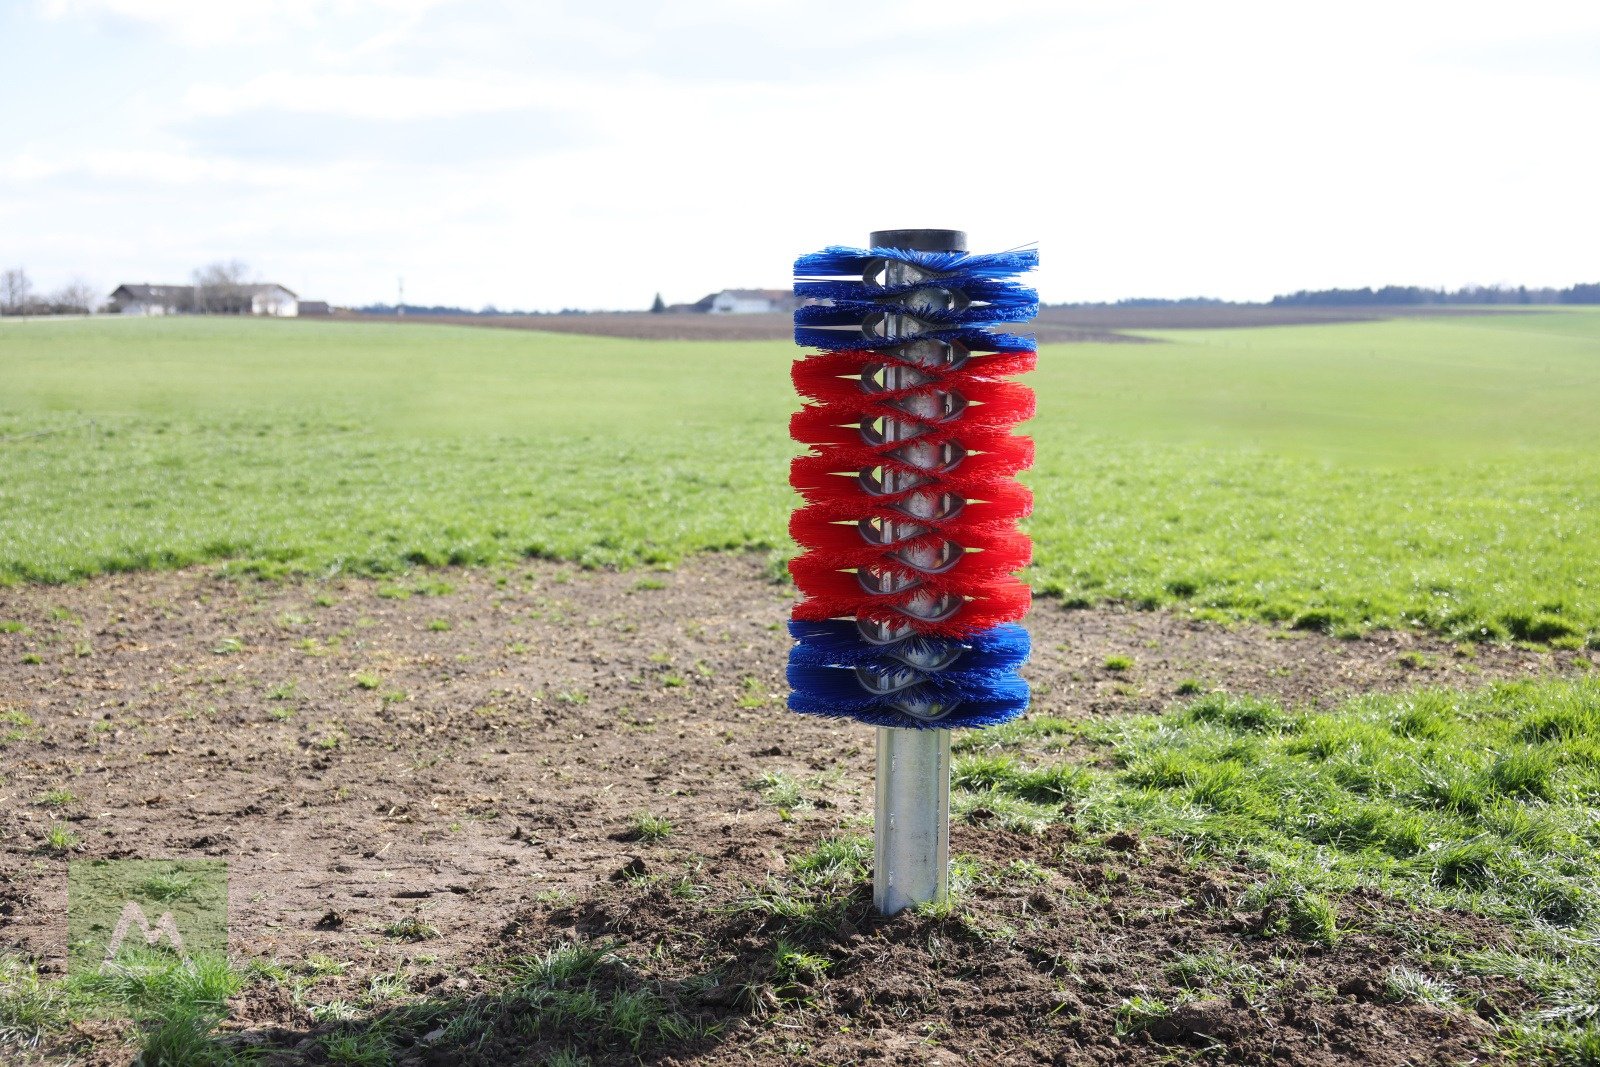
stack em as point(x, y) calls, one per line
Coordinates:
point(909, 595)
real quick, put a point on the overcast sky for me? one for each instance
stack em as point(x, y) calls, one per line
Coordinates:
point(543, 155)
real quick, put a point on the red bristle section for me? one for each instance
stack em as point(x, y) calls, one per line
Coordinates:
point(836, 465)
point(987, 604)
point(991, 551)
point(1006, 500)
point(969, 547)
point(844, 540)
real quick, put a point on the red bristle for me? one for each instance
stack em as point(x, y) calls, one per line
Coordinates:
point(835, 463)
point(814, 580)
point(998, 499)
point(853, 364)
point(838, 539)
point(985, 558)
point(1002, 600)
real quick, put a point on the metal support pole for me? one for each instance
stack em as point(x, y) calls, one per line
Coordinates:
point(911, 854)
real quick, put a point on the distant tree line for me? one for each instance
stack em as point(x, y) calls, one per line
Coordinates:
point(1413, 295)
point(18, 297)
point(220, 288)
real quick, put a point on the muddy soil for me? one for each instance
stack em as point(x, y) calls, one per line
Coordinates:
point(458, 746)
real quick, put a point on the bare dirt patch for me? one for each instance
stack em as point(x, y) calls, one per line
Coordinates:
point(456, 747)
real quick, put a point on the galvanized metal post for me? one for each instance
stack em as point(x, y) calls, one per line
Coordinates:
point(911, 853)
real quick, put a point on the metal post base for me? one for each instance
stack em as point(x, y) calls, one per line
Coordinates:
point(911, 855)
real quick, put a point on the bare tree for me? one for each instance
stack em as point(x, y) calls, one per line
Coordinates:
point(15, 291)
point(77, 297)
point(219, 288)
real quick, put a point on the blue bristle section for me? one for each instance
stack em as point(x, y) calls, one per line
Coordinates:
point(983, 682)
point(852, 312)
point(992, 710)
point(838, 261)
point(978, 290)
point(975, 340)
point(838, 643)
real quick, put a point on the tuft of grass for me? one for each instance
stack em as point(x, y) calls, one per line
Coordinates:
point(795, 970)
point(177, 1002)
point(168, 886)
point(1287, 907)
point(59, 839)
point(1139, 1012)
point(412, 928)
point(649, 828)
point(1407, 985)
point(782, 791)
point(1006, 775)
point(565, 991)
point(29, 1008)
point(847, 857)
point(362, 1048)
point(1119, 663)
point(57, 798)
point(366, 680)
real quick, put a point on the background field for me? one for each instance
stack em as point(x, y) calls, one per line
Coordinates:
point(1437, 472)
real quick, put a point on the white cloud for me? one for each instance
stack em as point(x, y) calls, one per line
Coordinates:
point(376, 96)
point(212, 22)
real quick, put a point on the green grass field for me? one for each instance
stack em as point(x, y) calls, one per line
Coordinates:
point(1441, 473)
point(1481, 801)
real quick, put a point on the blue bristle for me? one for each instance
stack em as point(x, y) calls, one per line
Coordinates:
point(982, 682)
point(987, 712)
point(975, 340)
point(838, 261)
point(979, 290)
point(852, 312)
point(840, 686)
point(837, 643)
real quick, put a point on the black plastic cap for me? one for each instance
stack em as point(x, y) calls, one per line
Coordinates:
point(921, 240)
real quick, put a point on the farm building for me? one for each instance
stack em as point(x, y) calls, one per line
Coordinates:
point(751, 301)
point(152, 299)
point(266, 298)
point(314, 308)
point(270, 299)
